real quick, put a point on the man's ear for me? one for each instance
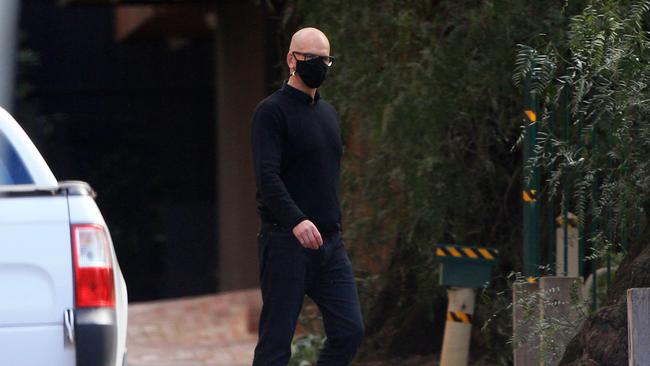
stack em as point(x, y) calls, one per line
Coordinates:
point(291, 62)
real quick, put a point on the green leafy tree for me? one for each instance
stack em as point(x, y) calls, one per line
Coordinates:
point(601, 155)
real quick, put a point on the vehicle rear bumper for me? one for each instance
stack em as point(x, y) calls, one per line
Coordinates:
point(96, 337)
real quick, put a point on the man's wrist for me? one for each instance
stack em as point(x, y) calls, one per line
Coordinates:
point(299, 221)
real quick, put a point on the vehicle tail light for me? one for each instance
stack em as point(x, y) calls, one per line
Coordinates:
point(93, 268)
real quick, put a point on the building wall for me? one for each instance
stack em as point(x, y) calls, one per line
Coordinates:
point(242, 43)
point(241, 50)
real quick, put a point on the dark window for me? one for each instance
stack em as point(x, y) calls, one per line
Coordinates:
point(12, 168)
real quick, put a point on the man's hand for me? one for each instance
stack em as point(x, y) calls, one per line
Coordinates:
point(308, 235)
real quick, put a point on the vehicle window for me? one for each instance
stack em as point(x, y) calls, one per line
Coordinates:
point(12, 168)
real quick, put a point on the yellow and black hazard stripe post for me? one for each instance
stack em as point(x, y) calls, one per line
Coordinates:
point(459, 317)
point(458, 328)
point(463, 268)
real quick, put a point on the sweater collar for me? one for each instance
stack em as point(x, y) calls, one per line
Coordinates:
point(300, 95)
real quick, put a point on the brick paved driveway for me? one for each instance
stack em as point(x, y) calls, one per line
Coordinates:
point(214, 330)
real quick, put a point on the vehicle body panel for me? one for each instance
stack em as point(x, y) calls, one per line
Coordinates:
point(36, 280)
point(35, 266)
point(37, 285)
point(36, 345)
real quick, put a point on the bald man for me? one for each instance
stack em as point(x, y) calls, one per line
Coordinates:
point(297, 148)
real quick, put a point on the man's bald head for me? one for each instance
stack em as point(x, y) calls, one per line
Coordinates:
point(310, 40)
point(306, 44)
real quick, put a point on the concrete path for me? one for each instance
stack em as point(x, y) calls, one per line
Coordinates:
point(214, 330)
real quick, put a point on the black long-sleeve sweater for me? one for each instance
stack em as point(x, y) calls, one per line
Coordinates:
point(297, 151)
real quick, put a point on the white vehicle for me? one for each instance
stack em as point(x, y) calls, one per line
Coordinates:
point(63, 300)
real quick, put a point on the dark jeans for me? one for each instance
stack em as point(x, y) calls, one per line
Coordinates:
point(288, 271)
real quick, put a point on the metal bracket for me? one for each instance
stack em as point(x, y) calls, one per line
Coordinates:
point(68, 325)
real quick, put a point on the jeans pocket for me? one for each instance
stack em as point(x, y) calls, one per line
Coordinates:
point(283, 256)
point(261, 252)
point(341, 266)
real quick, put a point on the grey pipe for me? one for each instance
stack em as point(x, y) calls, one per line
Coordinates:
point(9, 13)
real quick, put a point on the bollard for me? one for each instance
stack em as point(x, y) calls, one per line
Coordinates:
point(638, 326)
point(458, 328)
point(463, 268)
point(567, 246)
point(524, 302)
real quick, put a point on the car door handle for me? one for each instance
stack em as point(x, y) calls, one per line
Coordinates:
point(68, 325)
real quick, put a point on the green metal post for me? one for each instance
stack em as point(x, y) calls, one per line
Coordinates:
point(531, 185)
point(624, 233)
point(609, 269)
point(610, 237)
point(595, 225)
point(608, 255)
point(582, 232)
point(564, 114)
point(550, 212)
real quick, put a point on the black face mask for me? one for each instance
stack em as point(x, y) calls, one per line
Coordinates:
point(312, 72)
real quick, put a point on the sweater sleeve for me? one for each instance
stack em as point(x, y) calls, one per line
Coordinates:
point(267, 139)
